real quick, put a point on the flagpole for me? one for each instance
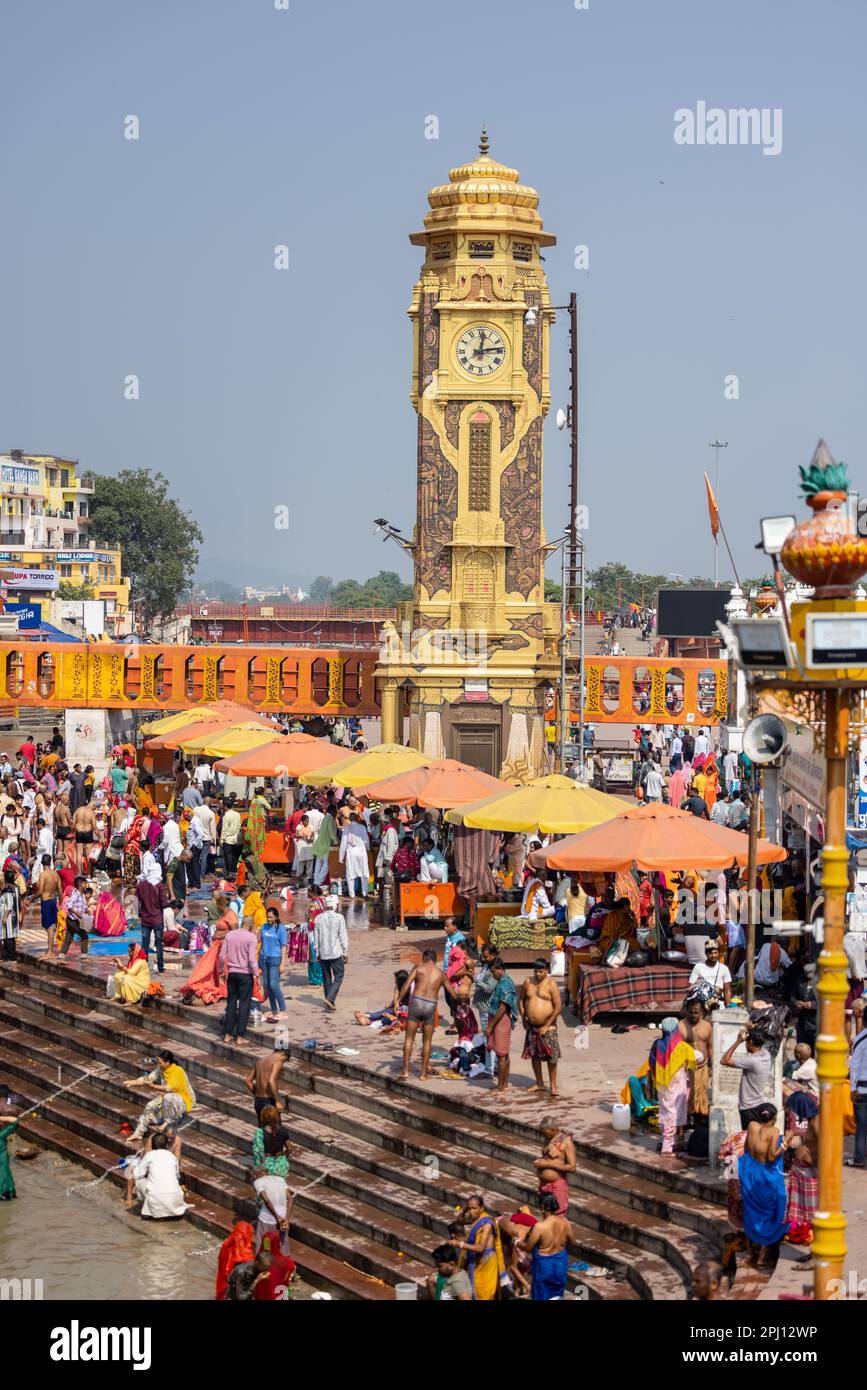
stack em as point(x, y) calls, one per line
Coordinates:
point(725, 538)
point(716, 446)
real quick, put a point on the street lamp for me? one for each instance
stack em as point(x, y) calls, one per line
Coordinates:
point(391, 533)
point(565, 710)
point(568, 417)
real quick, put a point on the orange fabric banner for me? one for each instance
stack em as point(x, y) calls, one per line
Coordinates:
point(713, 509)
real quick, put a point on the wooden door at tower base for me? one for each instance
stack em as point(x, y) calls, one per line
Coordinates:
point(478, 745)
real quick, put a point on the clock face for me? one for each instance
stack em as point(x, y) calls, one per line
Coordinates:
point(481, 350)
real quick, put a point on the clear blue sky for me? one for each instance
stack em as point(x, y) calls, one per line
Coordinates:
point(306, 127)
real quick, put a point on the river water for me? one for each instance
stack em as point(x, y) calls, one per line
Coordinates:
point(79, 1240)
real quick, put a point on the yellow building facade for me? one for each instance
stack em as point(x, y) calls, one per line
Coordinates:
point(44, 524)
point(471, 657)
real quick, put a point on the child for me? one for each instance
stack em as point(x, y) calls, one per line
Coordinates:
point(385, 1019)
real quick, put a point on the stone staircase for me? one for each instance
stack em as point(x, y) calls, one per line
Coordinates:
point(395, 1164)
point(630, 639)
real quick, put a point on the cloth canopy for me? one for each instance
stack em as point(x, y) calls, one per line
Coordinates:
point(361, 769)
point(440, 784)
point(240, 738)
point(655, 837)
point(227, 710)
point(194, 737)
point(554, 804)
point(287, 754)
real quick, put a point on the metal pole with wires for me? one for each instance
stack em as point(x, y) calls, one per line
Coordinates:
point(564, 694)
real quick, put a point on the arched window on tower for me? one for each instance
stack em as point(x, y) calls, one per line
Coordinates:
point(480, 463)
point(479, 577)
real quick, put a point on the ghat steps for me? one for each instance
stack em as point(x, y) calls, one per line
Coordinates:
point(395, 1162)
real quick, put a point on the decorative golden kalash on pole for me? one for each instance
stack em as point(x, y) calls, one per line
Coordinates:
point(814, 659)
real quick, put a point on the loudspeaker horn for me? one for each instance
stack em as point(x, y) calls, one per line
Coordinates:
point(765, 738)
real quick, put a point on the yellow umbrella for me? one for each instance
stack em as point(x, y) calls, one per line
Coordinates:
point(227, 710)
point(358, 769)
point(239, 739)
point(555, 805)
point(169, 722)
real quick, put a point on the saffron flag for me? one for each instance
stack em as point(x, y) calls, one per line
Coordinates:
point(713, 509)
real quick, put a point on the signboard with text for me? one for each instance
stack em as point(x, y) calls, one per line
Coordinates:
point(17, 473)
point(861, 807)
point(29, 579)
point(29, 615)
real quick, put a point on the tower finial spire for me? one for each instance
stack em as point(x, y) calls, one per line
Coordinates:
point(483, 141)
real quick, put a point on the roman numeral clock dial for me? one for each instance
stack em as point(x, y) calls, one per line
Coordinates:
point(481, 350)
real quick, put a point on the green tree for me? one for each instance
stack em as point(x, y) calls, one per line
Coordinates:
point(67, 590)
point(384, 590)
point(320, 589)
point(348, 593)
point(159, 541)
point(553, 591)
point(387, 589)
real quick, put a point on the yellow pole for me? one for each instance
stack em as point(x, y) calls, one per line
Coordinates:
point(389, 695)
point(752, 895)
point(829, 1223)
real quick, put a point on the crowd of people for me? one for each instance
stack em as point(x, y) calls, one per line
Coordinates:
point(100, 855)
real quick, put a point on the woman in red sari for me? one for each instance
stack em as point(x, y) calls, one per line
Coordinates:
point(109, 918)
point(207, 983)
point(236, 1249)
point(132, 853)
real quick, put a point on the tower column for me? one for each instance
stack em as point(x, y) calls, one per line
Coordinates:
point(389, 693)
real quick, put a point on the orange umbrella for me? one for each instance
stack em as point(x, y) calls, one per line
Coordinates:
point(289, 754)
point(440, 785)
point(655, 837)
point(200, 728)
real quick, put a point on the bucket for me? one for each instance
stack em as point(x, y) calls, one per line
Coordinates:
point(620, 1116)
point(404, 1292)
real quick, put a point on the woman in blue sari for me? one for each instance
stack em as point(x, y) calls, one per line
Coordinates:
point(763, 1187)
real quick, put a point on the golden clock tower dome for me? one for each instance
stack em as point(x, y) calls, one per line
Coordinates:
point(476, 647)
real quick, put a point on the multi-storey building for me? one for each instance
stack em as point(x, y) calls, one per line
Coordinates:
point(44, 524)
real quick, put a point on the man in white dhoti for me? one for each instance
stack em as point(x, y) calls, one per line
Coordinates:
point(354, 844)
point(155, 1180)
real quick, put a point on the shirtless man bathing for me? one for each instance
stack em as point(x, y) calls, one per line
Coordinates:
point(558, 1159)
point(50, 890)
point(262, 1080)
point(540, 1006)
point(84, 829)
point(427, 977)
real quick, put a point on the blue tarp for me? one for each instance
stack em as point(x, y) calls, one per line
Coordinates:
point(54, 634)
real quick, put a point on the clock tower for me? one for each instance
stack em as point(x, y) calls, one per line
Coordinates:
point(472, 655)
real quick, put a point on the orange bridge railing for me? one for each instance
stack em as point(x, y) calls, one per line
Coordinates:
point(298, 680)
point(653, 690)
